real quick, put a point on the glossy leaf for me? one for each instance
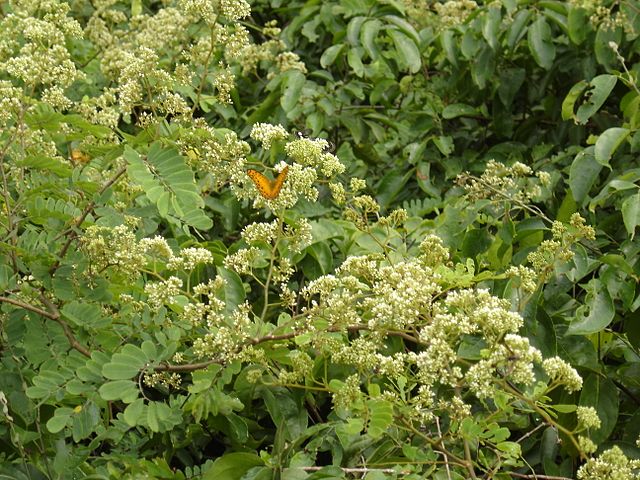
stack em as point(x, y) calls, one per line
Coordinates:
point(631, 213)
point(292, 86)
point(409, 55)
point(599, 90)
point(491, 26)
point(608, 143)
point(583, 174)
point(541, 43)
point(330, 55)
point(577, 22)
point(597, 312)
point(602, 394)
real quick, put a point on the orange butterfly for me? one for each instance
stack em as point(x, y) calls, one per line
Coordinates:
point(78, 157)
point(268, 189)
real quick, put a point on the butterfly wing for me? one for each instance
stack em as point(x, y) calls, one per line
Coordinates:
point(266, 187)
point(279, 181)
point(261, 182)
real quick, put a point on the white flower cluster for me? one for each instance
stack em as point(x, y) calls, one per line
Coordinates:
point(190, 258)
point(162, 293)
point(266, 134)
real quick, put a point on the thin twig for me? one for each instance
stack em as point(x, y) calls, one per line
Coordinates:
point(65, 326)
point(52, 313)
point(446, 459)
point(535, 476)
point(348, 470)
point(71, 232)
point(542, 425)
point(28, 307)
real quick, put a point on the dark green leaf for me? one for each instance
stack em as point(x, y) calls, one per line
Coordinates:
point(578, 24)
point(601, 394)
point(329, 56)
point(541, 43)
point(599, 89)
point(409, 55)
point(631, 213)
point(232, 466)
point(597, 312)
point(292, 86)
point(583, 174)
point(608, 142)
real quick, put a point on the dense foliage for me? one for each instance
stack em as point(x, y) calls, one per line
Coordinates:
point(440, 281)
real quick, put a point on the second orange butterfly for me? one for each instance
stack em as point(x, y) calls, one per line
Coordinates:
point(269, 189)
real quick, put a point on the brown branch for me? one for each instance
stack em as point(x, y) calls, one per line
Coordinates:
point(26, 306)
point(71, 232)
point(52, 314)
point(347, 469)
point(55, 315)
point(631, 395)
point(535, 476)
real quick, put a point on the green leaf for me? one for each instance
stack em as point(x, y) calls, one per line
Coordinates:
point(458, 110)
point(150, 351)
point(380, 417)
point(368, 37)
point(353, 30)
point(286, 412)
point(568, 104)
point(583, 174)
point(602, 394)
point(161, 417)
point(518, 27)
point(541, 43)
point(354, 58)
point(449, 46)
point(599, 89)
point(511, 448)
point(631, 213)
point(134, 412)
point(409, 55)
point(329, 56)
point(82, 314)
point(233, 292)
point(59, 420)
point(232, 466)
point(476, 241)
point(391, 185)
point(511, 80)
point(604, 54)
point(349, 431)
point(323, 255)
point(85, 421)
point(292, 86)
point(578, 24)
point(41, 162)
point(618, 262)
point(597, 312)
point(483, 66)
point(444, 144)
point(168, 183)
point(239, 429)
point(608, 142)
point(565, 408)
point(125, 390)
point(125, 364)
point(491, 26)
point(404, 26)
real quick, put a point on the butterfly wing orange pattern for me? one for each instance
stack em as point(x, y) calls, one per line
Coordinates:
point(267, 188)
